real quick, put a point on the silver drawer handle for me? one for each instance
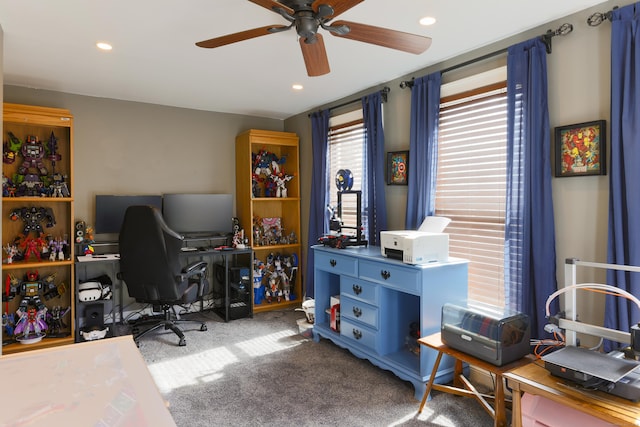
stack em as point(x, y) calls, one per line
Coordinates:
point(357, 334)
point(357, 311)
point(357, 289)
point(385, 274)
point(333, 262)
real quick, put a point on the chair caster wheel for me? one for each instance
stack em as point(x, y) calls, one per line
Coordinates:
point(182, 342)
point(203, 327)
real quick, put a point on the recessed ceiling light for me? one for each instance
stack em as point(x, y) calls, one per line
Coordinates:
point(427, 20)
point(104, 46)
point(297, 86)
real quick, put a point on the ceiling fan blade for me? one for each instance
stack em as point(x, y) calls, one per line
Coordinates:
point(270, 4)
point(237, 37)
point(406, 42)
point(315, 57)
point(339, 6)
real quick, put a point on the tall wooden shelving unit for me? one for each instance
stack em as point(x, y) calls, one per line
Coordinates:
point(24, 121)
point(248, 207)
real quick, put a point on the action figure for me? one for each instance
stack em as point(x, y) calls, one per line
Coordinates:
point(258, 287)
point(33, 246)
point(33, 152)
point(56, 249)
point(32, 217)
point(12, 251)
point(31, 310)
point(31, 324)
point(280, 180)
point(54, 320)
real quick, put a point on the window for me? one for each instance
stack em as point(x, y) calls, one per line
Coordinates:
point(471, 184)
point(347, 151)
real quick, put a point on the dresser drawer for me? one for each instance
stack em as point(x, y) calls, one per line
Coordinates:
point(359, 289)
point(361, 334)
point(357, 310)
point(395, 276)
point(335, 263)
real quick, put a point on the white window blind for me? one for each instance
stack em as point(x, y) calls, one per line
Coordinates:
point(471, 185)
point(346, 151)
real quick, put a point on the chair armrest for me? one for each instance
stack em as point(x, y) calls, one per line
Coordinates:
point(198, 267)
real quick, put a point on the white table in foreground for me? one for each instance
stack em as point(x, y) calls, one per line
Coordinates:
point(96, 383)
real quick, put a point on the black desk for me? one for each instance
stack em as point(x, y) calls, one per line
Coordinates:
point(88, 267)
point(230, 309)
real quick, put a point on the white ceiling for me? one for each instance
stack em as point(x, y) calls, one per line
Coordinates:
point(51, 45)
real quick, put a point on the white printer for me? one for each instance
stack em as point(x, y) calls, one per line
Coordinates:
point(415, 247)
point(427, 244)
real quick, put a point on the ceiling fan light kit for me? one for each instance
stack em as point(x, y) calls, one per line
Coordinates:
point(308, 16)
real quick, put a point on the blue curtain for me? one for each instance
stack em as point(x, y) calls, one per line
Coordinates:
point(318, 221)
point(423, 149)
point(530, 254)
point(374, 167)
point(624, 196)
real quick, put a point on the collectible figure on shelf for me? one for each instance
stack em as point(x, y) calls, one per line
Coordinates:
point(55, 324)
point(8, 323)
point(30, 325)
point(58, 186)
point(11, 148)
point(8, 189)
point(12, 251)
point(32, 217)
point(281, 179)
point(35, 246)
point(270, 166)
point(273, 289)
point(32, 152)
point(258, 287)
point(52, 150)
point(57, 249)
point(31, 311)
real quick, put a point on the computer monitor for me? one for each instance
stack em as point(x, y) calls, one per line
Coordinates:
point(110, 210)
point(198, 213)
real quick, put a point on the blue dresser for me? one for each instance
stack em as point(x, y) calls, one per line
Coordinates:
point(380, 301)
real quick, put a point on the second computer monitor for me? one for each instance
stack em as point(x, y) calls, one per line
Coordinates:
point(198, 213)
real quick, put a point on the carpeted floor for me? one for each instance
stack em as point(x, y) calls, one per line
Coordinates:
point(261, 371)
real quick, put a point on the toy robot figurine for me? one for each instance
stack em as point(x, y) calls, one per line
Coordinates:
point(54, 320)
point(33, 152)
point(32, 217)
point(31, 312)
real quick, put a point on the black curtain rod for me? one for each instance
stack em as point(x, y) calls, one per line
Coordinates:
point(546, 38)
point(385, 90)
point(598, 18)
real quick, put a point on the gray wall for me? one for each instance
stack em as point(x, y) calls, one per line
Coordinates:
point(578, 74)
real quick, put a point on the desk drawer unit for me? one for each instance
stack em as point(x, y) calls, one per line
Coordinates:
point(359, 289)
point(361, 334)
point(401, 278)
point(335, 263)
point(351, 309)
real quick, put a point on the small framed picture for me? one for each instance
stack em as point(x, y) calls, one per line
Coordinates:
point(397, 167)
point(581, 149)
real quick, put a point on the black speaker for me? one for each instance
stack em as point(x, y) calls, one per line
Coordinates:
point(81, 229)
point(93, 317)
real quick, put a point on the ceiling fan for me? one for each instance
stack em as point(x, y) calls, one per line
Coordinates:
point(307, 16)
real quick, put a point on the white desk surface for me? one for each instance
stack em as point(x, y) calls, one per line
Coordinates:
point(98, 383)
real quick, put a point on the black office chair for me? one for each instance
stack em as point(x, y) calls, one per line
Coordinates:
point(151, 267)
